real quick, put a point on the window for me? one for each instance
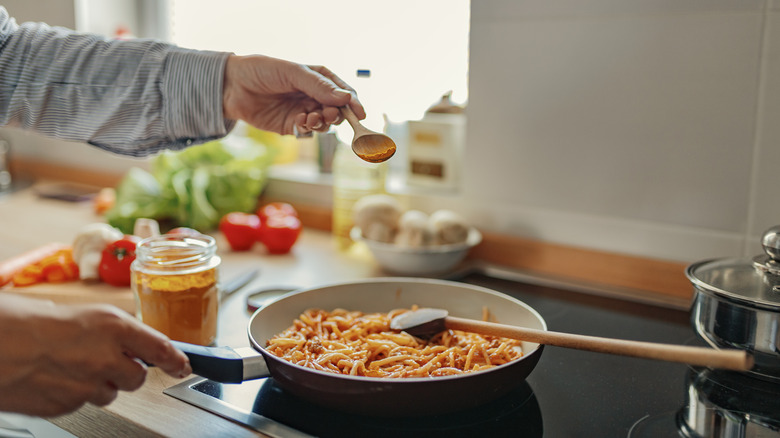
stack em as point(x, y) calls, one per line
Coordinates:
point(415, 50)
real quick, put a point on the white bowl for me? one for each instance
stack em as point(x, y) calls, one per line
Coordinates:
point(428, 260)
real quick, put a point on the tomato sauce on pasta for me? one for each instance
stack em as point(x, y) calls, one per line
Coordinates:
point(362, 344)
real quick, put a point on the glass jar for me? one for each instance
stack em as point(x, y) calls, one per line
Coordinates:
point(175, 283)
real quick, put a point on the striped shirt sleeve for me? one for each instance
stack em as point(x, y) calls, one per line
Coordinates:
point(132, 97)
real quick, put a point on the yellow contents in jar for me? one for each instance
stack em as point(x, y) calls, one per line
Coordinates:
point(182, 306)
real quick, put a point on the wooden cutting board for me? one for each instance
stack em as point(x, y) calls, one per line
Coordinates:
point(78, 292)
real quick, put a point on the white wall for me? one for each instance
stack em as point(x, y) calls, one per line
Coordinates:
point(646, 127)
point(53, 12)
point(638, 126)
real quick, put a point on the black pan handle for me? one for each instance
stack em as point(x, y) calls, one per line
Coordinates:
point(220, 364)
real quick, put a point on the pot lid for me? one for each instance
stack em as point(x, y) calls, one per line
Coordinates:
point(752, 281)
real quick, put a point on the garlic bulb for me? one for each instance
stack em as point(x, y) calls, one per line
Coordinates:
point(88, 247)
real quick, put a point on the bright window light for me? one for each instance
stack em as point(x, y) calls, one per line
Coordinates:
point(415, 50)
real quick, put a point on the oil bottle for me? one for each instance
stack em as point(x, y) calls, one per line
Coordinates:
point(353, 178)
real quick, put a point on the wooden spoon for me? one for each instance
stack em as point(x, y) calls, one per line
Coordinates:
point(426, 322)
point(369, 145)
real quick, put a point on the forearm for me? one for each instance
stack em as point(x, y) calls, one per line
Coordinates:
point(131, 97)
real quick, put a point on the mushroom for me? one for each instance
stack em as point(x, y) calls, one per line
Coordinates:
point(448, 227)
point(377, 217)
point(413, 229)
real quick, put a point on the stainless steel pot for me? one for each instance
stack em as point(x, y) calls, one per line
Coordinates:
point(726, 404)
point(737, 304)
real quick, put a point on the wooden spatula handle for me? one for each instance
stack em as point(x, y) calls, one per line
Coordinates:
point(701, 356)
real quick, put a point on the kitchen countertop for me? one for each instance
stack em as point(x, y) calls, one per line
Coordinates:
point(28, 221)
point(147, 411)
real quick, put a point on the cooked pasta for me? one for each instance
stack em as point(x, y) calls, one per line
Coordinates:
point(360, 344)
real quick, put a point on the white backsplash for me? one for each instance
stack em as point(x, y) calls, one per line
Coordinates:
point(642, 127)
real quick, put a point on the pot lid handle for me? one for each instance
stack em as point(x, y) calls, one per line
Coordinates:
point(771, 243)
point(771, 261)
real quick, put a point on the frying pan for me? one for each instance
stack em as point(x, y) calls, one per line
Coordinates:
point(370, 395)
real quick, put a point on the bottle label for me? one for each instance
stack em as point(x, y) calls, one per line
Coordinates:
point(427, 168)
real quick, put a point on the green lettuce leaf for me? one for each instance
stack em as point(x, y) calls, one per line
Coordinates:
point(194, 187)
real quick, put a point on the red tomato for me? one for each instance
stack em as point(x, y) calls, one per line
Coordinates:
point(275, 209)
point(115, 263)
point(279, 233)
point(240, 230)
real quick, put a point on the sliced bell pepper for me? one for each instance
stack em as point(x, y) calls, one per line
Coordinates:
point(29, 275)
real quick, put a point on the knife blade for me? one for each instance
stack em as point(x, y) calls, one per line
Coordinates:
point(237, 283)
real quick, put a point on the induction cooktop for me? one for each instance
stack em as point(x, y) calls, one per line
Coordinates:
point(570, 393)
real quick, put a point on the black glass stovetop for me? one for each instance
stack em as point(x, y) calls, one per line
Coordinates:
point(570, 393)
